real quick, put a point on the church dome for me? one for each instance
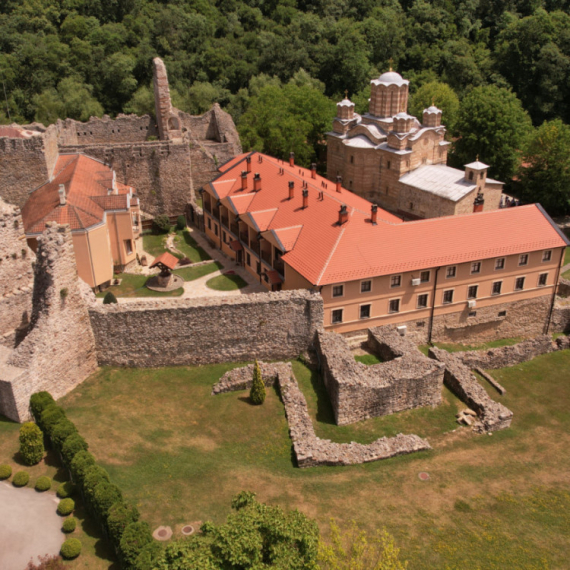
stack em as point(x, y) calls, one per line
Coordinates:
point(392, 78)
point(432, 109)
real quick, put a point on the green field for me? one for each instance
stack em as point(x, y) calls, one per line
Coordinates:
point(226, 282)
point(188, 246)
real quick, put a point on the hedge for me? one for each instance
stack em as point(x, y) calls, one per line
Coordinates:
point(31, 443)
point(72, 446)
point(69, 525)
point(61, 431)
point(5, 472)
point(136, 536)
point(21, 479)
point(70, 549)
point(65, 507)
point(79, 465)
point(65, 490)
point(49, 418)
point(38, 403)
point(43, 484)
point(121, 514)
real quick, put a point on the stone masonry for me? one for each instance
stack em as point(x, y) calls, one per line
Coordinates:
point(406, 379)
point(309, 449)
point(58, 352)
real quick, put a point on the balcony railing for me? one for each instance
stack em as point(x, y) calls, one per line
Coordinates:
point(266, 256)
point(216, 213)
point(255, 246)
point(225, 221)
point(234, 228)
point(244, 237)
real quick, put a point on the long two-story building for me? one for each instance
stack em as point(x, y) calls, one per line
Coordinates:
point(491, 274)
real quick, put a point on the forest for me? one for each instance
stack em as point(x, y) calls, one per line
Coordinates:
point(499, 69)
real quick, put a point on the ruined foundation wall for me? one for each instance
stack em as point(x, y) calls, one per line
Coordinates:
point(207, 330)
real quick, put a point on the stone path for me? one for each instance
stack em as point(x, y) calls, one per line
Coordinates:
point(29, 526)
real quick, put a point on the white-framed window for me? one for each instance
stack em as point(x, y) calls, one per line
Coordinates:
point(336, 316)
point(542, 279)
point(496, 289)
point(422, 301)
point(394, 306)
point(365, 311)
point(448, 297)
point(366, 286)
point(499, 263)
point(472, 291)
point(519, 283)
point(475, 267)
point(546, 255)
point(523, 259)
point(395, 281)
point(425, 276)
point(338, 290)
point(451, 272)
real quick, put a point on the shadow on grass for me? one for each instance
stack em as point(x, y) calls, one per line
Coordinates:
point(5, 420)
point(246, 400)
point(52, 460)
point(325, 413)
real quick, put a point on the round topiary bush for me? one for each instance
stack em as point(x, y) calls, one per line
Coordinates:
point(21, 479)
point(72, 446)
point(31, 443)
point(65, 507)
point(70, 549)
point(69, 525)
point(50, 417)
point(65, 490)
point(180, 222)
point(38, 403)
point(43, 484)
point(109, 298)
point(61, 431)
point(5, 472)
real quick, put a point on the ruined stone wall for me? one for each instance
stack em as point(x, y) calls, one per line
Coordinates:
point(202, 331)
point(560, 316)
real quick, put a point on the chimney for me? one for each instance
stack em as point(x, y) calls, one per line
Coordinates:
point(338, 183)
point(342, 215)
point(305, 199)
point(314, 170)
point(256, 182)
point(291, 189)
point(244, 180)
point(478, 203)
point(291, 159)
point(248, 163)
point(62, 198)
point(374, 213)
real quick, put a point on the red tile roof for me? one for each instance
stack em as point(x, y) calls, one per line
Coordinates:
point(87, 182)
point(165, 259)
point(325, 252)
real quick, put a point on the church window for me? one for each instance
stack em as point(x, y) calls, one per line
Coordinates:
point(482, 175)
point(411, 205)
point(351, 159)
point(388, 164)
point(471, 176)
point(350, 184)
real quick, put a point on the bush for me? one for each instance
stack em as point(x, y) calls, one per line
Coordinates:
point(70, 549)
point(257, 392)
point(38, 403)
point(69, 525)
point(94, 475)
point(121, 515)
point(65, 507)
point(136, 536)
point(43, 484)
point(46, 563)
point(61, 431)
point(184, 261)
point(50, 417)
point(109, 298)
point(5, 472)
point(161, 224)
point(180, 223)
point(80, 464)
point(31, 443)
point(72, 446)
point(65, 490)
point(105, 496)
point(21, 479)
point(146, 560)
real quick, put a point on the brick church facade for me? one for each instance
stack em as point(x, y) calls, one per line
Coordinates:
point(398, 162)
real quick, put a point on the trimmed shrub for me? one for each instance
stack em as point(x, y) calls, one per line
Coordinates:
point(257, 392)
point(105, 496)
point(65, 507)
point(121, 515)
point(70, 549)
point(38, 403)
point(136, 536)
point(5, 472)
point(69, 525)
point(65, 490)
point(180, 223)
point(49, 417)
point(146, 560)
point(109, 298)
point(72, 446)
point(61, 431)
point(21, 479)
point(43, 484)
point(79, 465)
point(161, 224)
point(94, 475)
point(31, 443)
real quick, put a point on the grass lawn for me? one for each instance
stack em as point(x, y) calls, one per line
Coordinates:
point(500, 501)
point(188, 246)
point(368, 359)
point(133, 286)
point(190, 273)
point(226, 283)
point(455, 347)
point(567, 254)
point(154, 244)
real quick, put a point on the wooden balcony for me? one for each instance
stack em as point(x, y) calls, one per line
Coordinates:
point(234, 228)
point(225, 221)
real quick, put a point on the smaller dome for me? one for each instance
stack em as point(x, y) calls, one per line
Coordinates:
point(432, 109)
point(390, 77)
point(402, 115)
point(346, 103)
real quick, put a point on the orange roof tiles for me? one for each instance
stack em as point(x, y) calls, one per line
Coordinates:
point(325, 252)
point(167, 259)
point(87, 182)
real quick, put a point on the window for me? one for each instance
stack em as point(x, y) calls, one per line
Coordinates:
point(502, 314)
point(523, 259)
point(395, 280)
point(365, 311)
point(248, 259)
point(336, 316)
point(497, 285)
point(542, 279)
point(258, 268)
point(224, 237)
point(472, 292)
point(422, 301)
point(519, 283)
point(451, 272)
point(448, 297)
point(471, 175)
point(128, 246)
point(472, 314)
point(338, 290)
point(499, 263)
point(411, 205)
point(546, 255)
point(394, 306)
point(216, 229)
point(476, 267)
point(424, 276)
point(366, 286)
point(352, 160)
point(209, 223)
point(388, 165)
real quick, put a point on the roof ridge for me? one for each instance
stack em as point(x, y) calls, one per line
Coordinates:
point(333, 249)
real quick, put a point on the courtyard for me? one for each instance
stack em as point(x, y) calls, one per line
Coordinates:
point(491, 501)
